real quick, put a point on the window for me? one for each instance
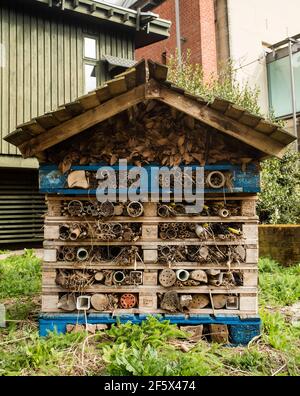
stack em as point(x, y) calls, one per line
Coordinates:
point(279, 81)
point(90, 48)
point(90, 78)
point(90, 63)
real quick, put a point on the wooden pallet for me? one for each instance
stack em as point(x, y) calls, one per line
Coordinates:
point(148, 294)
point(246, 204)
point(248, 305)
point(150, 251)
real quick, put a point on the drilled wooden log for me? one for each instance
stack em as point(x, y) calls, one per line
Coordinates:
point(219, 333)
point(67, 303)
point(200, 301)
point(219, 301)
point(100, 302)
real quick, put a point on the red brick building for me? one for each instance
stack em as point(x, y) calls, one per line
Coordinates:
point(198, 33)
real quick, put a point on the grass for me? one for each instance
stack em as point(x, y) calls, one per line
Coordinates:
point(20, 275)
point(278, 286)
point(154, 348)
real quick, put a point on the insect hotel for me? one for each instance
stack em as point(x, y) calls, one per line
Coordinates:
point(125, 260)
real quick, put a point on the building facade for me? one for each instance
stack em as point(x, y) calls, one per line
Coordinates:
point(246, 33)
point(52, 52)
point(196, 23)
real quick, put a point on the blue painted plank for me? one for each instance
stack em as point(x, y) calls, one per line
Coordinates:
point(241, 331)
point(53, 181)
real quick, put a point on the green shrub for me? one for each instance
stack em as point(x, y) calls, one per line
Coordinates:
point(53, 355)
point(190, 76)
point(163, 361)
point(279, 201)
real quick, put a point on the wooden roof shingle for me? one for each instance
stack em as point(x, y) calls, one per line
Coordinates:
point(134, 86)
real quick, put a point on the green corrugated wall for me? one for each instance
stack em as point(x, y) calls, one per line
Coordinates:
point(41, 67)
point(42, 64)
point(21, 206)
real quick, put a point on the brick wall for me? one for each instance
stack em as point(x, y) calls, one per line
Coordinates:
point(281, 243)
point(197, 30)
point(156, 51)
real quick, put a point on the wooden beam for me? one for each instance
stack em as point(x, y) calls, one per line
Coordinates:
point(157, 71)
point(83, 121)
point(221, 122)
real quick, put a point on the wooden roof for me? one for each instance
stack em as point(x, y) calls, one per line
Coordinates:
point(133, 87)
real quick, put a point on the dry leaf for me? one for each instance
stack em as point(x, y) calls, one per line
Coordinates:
point(181, 141)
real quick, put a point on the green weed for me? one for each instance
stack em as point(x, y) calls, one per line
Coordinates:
point(278, 286)
point(150, 349)
point(20, 275)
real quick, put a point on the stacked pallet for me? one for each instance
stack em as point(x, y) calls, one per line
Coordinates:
point(150, 258)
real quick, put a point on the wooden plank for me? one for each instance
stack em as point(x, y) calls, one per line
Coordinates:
point(73, 54)
point(149, 232)
point(62, 114)
point(157, 71)
point(51, 232)
point(250, 120)
point(141, 74)
point(150, 256)
point(130, 77)
point(148, 266)
point(47, 67)
point(222, 123)
point(20, 69)
point(234, 111)
point(50, 255)
point(248, 208)
point(47, 121)
point(266, 127)
point(103, 94)
point(89, 101)
point(150, 209)
point(74, 108)
point(148, 301)
point(34, 66)
point(49, 286)
point(220, 104)
point(248, 302)
point(219, 333)
point(32, 127)
point(250, 278)
point(150, 278)
point(54, 65)
point(40, 76)
point(250, 232)
point(117, 86)
point(152, 244)
point(18, 137)
point(211, 197)
point(52, 218)
point(283, 136)
point(67, 69)
point(49, 303)
point(60, 64)
point(82, 122)
point(252, 255)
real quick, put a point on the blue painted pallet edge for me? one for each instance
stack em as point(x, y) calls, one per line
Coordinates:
point(52, 181)
point(242, 331)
